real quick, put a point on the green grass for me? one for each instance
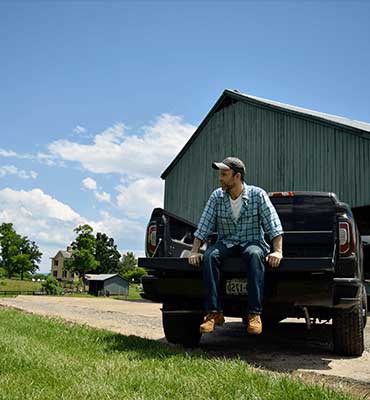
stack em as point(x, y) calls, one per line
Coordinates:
point(133, 294)
point(26, 285)
point(44, 358)
point(17, 284)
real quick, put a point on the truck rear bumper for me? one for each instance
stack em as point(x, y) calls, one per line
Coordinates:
point(295, 284)
point(323, 292)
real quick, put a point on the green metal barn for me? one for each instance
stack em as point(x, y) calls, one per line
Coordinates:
point(285, 148)
point(107, 285)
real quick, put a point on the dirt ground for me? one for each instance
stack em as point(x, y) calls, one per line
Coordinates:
point(289, 347)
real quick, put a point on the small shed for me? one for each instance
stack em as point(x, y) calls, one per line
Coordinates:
point(107, 285)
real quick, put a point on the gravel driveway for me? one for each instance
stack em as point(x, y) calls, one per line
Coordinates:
point(290, 347)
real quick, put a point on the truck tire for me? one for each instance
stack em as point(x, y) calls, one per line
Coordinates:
point(365, 306)
point(182, 328)
point(348, 330)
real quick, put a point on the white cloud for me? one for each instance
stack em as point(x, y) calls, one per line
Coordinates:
point(37, 204)
point(139, 197)
point(121, 229)
point(79, 129)
point(7, 153)
point(42, 218)
point(11, 153)
point(13, 170)
point(141, 155)
point(89, 183)
point(138, 159)
point(50, 223)
point(102, 197)
point(8, 170)
point(42, 158)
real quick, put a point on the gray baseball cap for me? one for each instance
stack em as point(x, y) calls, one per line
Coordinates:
point(233, 163)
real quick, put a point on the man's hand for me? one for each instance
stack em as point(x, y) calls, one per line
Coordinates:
point(274, 259)
point(195, 259)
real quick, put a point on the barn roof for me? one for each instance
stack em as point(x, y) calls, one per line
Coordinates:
point(99, 277)
point(231, 96)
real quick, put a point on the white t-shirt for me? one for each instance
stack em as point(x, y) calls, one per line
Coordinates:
point(236, 206)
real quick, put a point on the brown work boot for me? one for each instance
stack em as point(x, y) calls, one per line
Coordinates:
point(254, 324)
point(210, 321)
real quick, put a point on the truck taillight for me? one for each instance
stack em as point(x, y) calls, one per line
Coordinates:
point(151, 238)
point(281, 194)
point(346, 240)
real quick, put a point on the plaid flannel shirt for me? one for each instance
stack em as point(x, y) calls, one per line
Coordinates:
point(257, 217)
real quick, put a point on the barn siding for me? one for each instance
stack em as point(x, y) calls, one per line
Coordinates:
point(116, 286)
point(281, 151)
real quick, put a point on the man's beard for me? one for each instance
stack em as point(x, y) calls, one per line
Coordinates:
point(227, 187)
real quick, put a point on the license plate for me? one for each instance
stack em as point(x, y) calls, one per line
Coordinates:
point(236, 286)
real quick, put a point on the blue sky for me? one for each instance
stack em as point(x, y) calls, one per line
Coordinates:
point(97, 98)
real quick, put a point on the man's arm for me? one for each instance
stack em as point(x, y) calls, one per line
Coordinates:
point(272, 226)
point(196, 245)
point(275, 257)
point(196, 257)
point(277, 244)
point(205, 227)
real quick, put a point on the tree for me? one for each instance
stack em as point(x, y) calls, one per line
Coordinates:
point(128, 263)
point(10, 243)
point(82, 260)
point(135, 275)
point(106, 254)
point(129, 269)
point(23, 263)
point(18, 253)
point(30, 249)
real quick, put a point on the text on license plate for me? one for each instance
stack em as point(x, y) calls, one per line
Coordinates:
point(236, 286)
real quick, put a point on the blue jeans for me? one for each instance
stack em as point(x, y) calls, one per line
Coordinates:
point(254, 260)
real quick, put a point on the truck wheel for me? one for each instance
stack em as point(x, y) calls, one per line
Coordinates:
point(348, 330)
point(365, 305)
point(182, 328)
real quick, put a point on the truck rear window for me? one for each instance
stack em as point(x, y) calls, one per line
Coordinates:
point(305, 213)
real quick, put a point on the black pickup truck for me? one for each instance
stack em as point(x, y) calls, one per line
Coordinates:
point(321, 276)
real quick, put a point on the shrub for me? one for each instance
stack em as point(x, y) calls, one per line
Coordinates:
point(51, 286)
point(3, 273)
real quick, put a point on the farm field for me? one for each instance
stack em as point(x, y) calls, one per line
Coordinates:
point(19, 285)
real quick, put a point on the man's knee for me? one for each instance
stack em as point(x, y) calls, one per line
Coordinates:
point(253, 252)
point(212, 253)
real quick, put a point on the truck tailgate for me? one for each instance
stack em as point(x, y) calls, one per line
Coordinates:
point(235, 264)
